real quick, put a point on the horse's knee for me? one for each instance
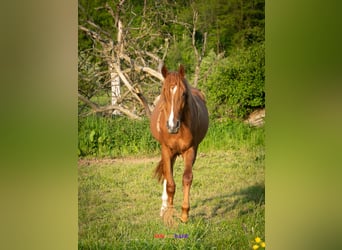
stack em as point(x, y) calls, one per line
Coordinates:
point(187, 178)
point(171, 187)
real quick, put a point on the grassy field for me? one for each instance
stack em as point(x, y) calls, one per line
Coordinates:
point(119, 202)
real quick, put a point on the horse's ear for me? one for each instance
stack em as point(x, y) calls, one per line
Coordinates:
point(164, 71)
point(181, 70)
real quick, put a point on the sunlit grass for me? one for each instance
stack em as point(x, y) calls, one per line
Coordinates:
point(119, 203)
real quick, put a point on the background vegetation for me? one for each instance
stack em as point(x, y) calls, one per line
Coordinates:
point(224, 40)
point(235, 88)
point(122, 137)
point(221, 45)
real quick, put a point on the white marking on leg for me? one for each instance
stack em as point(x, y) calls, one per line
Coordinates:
point(170, 121)
point(158, 122)
point(164, 199)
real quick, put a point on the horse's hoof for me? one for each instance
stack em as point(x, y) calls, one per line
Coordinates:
point(162, 211)
point(184, 219)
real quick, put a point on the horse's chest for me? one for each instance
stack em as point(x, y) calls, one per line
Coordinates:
point(179, 143)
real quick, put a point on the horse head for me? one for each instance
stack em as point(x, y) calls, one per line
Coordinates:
point(175, 93)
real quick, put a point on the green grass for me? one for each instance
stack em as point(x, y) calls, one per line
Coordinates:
point(119, 202)
point(229, 134)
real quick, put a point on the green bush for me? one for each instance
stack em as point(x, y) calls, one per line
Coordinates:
point(118, 137)
point(181, 52)
point(236, 85)
point(114, 137)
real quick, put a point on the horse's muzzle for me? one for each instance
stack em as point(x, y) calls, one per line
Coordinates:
point(173, 129)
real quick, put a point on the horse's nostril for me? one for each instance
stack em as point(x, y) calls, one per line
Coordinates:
point(172, 126)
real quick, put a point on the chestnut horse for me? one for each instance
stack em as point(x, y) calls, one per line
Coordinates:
point(179, 122)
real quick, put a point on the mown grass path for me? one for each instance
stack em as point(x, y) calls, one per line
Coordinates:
point(119, 203)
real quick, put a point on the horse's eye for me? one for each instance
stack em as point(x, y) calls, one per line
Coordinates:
point(184, 94)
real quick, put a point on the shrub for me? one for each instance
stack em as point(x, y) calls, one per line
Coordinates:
point(236, 85)
point(114, 137)
point(118, 137)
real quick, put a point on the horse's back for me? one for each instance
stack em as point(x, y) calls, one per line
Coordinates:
point(203, 115)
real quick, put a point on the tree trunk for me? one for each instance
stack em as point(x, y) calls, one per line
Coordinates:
point(198, 57)
point(115, 63)
point(115, 84)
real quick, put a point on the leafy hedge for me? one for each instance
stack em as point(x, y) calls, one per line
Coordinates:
point(114, 137)
point(236, 85)
point(118, 137)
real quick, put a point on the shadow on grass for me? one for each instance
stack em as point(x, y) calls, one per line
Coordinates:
point(232, 204)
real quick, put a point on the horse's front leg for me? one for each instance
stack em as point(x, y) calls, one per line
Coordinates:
point(189, 159)
point(169, 186)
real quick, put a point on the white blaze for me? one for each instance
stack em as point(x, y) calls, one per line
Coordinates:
point(164, 199)
point(170, 121)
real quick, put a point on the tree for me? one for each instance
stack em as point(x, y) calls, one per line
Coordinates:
point(129, 43)
point(113, 53)
point(123, 44)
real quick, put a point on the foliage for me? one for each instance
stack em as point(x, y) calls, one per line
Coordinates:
point(224, 20)
point(106, 137)
point(235, 27)
point(237, 85)
point(181, 53)
point(101, 136)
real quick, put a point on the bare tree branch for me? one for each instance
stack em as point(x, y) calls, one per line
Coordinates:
point(139, 96)
point(98, 28)
point(91, 104)
point(93, 34)
point(97, 109)
point(128, 58)
point(139, 68)
point(198, 57)
point(165, 51)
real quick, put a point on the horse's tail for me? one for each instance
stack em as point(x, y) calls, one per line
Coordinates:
point(159, 172)
point(145, 104)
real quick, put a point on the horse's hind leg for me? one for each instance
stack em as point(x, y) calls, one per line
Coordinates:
point(164, 199)
point(189, 158)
